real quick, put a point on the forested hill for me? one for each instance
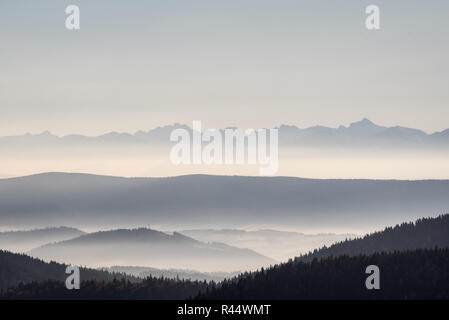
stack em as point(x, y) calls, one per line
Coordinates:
point(413, 259)
point(23, 277)
point(20, 268)
point(423, 233)
point(419, 274)
point(150, 288)
point(411, 267)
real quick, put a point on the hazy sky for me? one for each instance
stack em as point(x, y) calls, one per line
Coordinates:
point(249, 63)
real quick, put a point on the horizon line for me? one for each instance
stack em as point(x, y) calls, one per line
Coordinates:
point(206, 175)
point(363, 120)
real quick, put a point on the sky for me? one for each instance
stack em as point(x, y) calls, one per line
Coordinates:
point(247, 63)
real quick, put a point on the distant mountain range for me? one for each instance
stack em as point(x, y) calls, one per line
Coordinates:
point(202, 201)
point(363, 133)
point(150, 248)
point(358, 134)
point(360, 150)
point(157, 135)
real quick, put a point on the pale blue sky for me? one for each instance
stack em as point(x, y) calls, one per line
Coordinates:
point(249, 63)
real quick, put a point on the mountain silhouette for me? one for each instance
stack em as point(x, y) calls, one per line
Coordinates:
point(150, 248)
point(203, 201)
point(357, 134)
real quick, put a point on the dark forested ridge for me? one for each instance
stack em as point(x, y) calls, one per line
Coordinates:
point(144, 272)
point(149, 288)
point(23, 277)
point(20, 268)
point(419, 274)
point(423, 233)
point(411, 265)
point(413, 259)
